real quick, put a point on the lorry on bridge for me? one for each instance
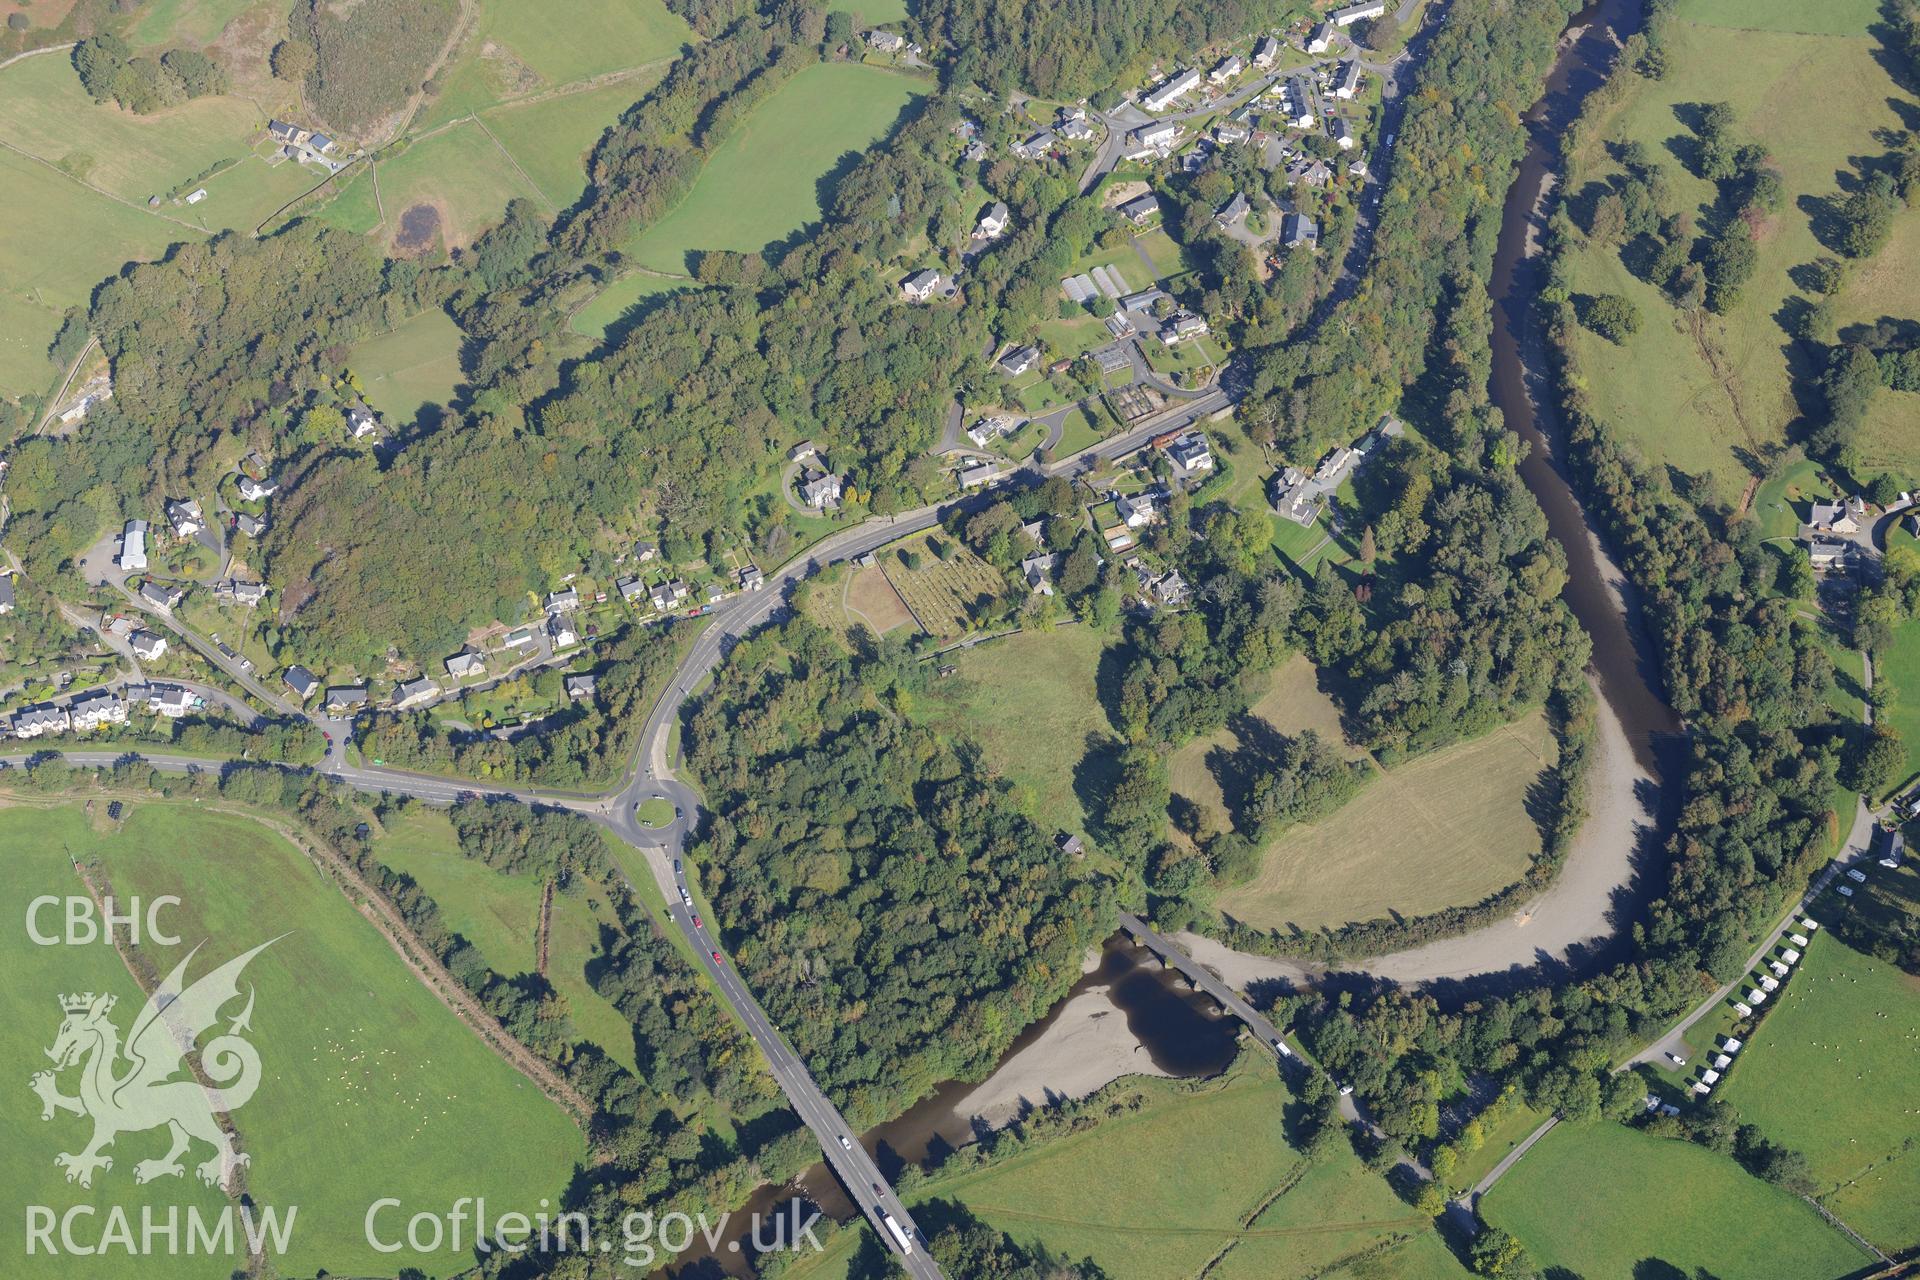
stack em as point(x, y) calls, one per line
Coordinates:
point(900, 1237)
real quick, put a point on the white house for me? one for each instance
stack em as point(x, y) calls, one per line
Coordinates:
point(361, 422)
point(978, 474)
point(561, 631)
point(1019, 360)
point(413, 692)
point(1356, 12)
point(921, 285)
point(1226, 69)
point(993, 222)
point(256, 490)
point(1140, 209)
point(186, 518)
point(1341, 131)
point(1346, 81)
point(1176, 86)
point(1157, 136)
point(466, 663)
point(1321, 38)
point(1136, 510)
point(91, 710)
point(1190, 452)
point(1298, 107)
point(1265, 50)
point(822, 490)
point(133, 546)
point(148, 646)
point(886, 41)
point(31, 722)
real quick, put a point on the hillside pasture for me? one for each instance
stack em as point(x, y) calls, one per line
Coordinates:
point(627, 297)
point(762, 183)
point(1444, 829)
point(526, 48)
point(34, 846)
point(61, 241)
point(1833, 1071)
point(550, 138)
point(1669, 1208)
point(1726, 378)
point(1289, 701)
point(1223, 1193)
point(409, 367)
point(463, 175)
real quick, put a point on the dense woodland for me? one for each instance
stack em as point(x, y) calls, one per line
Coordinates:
point(900, 920)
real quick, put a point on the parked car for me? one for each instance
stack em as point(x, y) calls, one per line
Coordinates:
point(1679, 1059)
point(1846, 891)
point(1856, 875)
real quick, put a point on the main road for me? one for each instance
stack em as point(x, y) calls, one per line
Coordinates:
point(651, 774)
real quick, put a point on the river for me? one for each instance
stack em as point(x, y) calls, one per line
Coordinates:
point(1181, 1033)
point(1595, 590)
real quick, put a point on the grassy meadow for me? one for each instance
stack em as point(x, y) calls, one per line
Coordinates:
point(465, 175)
point(1834, 1072)
point(1444, 829)
point(500, 915)
point(1604, 1200)
point(629, 293)
point(1032, 704)
point(365, 1071)
point(528, 47)
point(1188, 1184)
point(411, 366)
point(550, 137)
point(34, 846)
point(1727, 377)
point(762, 183)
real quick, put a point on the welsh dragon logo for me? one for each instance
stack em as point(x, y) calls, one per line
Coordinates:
point(143, 1084)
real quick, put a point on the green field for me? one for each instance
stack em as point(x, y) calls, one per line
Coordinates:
point(61, 241)
point(500, 915)
point(409, 367)
point(762, 183)
point(1827, 18)
point(1727, 377)
point(463, 173)
point(364, 1072)
point(1030, 702)
point(550, 138)
point(1605, 1201)
point(623, 295)
point(44, 112)
point(189, 22)
point(1834, 1072)
point(1288, 699)
point(1161, 1190)
point(1899, 665)
point(526, 47)
point(1444, 829)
